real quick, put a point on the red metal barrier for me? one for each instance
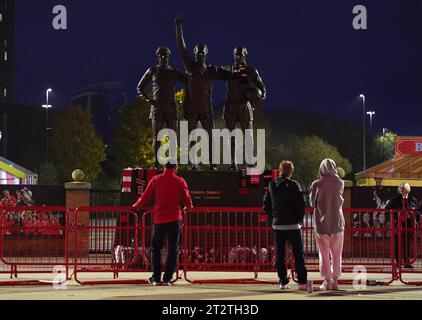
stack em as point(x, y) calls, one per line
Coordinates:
point(34, 240)
point(112, 240)
point(409, 245)
point(240, 239)
point(365, 245)
point(227, 240)
point(38, 240)
point(106, 240)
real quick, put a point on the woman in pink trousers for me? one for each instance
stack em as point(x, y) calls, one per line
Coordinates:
point(326, 197)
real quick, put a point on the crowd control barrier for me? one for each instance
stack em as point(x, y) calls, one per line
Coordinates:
point(228, 240)
point(106, 240)
point(408, 249)
point(112, 245)
point(34, 245)
point(112, 241)
point(368, 245)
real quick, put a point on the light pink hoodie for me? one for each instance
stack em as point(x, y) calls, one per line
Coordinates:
point(326, 197)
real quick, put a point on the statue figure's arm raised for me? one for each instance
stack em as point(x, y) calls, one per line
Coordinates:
point(187, 60)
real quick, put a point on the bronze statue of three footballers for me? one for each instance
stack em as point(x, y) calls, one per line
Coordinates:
point(244, 85)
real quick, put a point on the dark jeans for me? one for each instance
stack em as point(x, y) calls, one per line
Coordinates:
point(406, 245)
point(172, 231)
point(294, 237)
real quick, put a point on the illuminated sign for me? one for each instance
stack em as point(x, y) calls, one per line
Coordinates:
point(408, 145)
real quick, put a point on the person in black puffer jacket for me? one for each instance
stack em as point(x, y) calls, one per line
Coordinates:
point(284, 203)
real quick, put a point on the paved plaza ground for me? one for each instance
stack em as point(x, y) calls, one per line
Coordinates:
point(186, 291)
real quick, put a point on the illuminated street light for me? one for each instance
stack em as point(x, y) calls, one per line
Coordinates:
point(46, 107)
point(370, 114)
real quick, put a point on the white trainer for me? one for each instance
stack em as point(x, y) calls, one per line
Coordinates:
point(284, 286)
point(325, 286)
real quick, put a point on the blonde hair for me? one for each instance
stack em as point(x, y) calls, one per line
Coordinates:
point(405, 186)
point(287, 168)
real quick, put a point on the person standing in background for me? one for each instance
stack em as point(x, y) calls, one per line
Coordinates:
point(404, 201)
point(326, 195)
point(8, 199)
point(167, 191)
point(284, 203)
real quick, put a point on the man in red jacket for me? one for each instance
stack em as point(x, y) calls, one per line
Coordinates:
point(167, 190)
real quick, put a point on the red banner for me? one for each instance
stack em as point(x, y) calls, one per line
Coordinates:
point(408, 146)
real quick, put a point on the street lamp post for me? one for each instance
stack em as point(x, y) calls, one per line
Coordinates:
point(364, 130)
point(370, 114)
point(46, 107)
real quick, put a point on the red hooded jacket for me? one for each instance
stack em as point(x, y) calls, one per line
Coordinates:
point(167, 191)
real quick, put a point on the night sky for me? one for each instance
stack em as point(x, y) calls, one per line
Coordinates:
point(307, 52)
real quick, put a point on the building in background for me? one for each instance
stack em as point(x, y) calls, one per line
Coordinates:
point(7, 20)
point(104, 101)
point(14, 174)
point(406, 166)
point(25, 127)
point(6, 48)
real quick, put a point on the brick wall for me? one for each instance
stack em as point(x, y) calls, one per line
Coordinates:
point(77, 196)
